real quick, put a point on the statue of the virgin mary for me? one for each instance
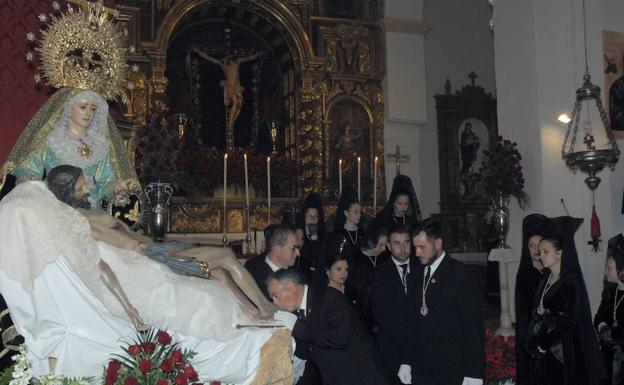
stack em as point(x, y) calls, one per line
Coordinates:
point(74, 126)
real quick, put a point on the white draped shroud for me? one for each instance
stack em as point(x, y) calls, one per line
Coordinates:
point(50, 279)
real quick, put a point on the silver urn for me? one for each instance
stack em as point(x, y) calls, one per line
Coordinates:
point(158, 196)
point(500, 218)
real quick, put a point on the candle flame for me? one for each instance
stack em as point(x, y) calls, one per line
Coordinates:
point(225, 156)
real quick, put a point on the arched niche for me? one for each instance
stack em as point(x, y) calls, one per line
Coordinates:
point(349, 135)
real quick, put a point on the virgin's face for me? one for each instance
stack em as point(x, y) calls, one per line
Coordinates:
point(354, 213)
point(533, 246)
point(338, 272)
point(82, 113)
point(549, 255)
point(611, 273)
point(401, 205)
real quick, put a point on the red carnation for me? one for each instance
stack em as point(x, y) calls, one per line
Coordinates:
point(167, 366)
point(148, 347)
point(162, 382)
point(112, 372)
point(190, 372)
point(163, 337)
point(176, 356)
point(180, 379)
point(145, 366)
point(134, 350)
point(131, 380)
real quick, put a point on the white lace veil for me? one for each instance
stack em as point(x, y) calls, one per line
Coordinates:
point(36, 229)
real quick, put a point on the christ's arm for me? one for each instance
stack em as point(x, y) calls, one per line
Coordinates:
point(207, 57)
point(250, 58)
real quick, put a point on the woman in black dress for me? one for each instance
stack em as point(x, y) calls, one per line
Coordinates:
point(402, 206)
point(609, 320)
point(527, 280)
point(561, 339)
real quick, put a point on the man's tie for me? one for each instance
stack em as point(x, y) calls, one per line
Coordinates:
point(404, 275)
point(300, 313)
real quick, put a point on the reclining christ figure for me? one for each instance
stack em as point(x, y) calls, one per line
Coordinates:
point(77, 281)
point(68, 184)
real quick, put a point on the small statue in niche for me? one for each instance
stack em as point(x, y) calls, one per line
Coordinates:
point(331, 64)
point(347, 55)
point(347, 146)
point(469, 147)
point(364, 59)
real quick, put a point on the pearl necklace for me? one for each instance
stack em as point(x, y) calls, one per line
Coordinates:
point(540, 309)
point(616, 304)
point(395, 220)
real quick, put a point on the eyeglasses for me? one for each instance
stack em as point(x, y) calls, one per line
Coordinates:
point(292, 247)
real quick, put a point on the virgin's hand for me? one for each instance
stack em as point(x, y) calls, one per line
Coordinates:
point(121, 186)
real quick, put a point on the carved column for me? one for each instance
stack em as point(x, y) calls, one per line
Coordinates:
point(309, 143)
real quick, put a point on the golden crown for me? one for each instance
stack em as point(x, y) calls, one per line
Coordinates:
point(83, 48)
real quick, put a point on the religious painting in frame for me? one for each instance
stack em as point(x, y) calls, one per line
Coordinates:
point(613, 88)
point(349, 138)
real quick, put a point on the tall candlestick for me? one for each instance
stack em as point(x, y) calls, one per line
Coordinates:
point(269, 188)
point(247, 203)
point(340, 177)
point(375, 187)
point(359, 177)
point(225, 156)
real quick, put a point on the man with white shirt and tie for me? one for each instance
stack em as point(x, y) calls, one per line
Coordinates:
point(448, 335)
point(391, 291)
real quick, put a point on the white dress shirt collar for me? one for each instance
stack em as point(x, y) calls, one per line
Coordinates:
point(304, 301)
point(434, 266)
point(273, 266)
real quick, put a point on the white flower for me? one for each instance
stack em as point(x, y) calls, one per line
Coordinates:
point(43, 18)
point(135, 68)
point(37, 78)
point(132, 49)
point(56, 6)
point(30, 36)
point(29, 56)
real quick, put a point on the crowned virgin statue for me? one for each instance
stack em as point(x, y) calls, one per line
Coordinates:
point(74, 126)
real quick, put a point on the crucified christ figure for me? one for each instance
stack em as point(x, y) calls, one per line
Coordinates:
point(232, 89)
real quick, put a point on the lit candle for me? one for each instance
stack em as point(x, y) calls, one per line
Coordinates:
point(246, 183)
point(375, 187)
point(359, 177)
point(340, 177)
point(269, 187)
point(224, 196)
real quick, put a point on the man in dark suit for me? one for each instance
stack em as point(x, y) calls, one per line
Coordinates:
point(448, 325)
point(328, 327)
point(281, 252)
point(392, 284)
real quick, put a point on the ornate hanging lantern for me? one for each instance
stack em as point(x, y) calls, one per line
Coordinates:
point(590, 160)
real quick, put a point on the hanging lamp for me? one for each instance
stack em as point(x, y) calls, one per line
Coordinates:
point(590, 160)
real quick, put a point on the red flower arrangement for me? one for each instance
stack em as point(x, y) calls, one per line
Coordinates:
point(501, 171)
point(152, 359)
point(500, 358)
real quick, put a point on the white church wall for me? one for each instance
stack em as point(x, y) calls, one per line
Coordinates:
point(458, 42)
point(404, 86)
point(539, 64)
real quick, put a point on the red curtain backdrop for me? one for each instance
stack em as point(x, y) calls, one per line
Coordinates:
point(19, 99)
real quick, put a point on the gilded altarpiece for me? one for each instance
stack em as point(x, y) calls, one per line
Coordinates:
point(315, 67)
